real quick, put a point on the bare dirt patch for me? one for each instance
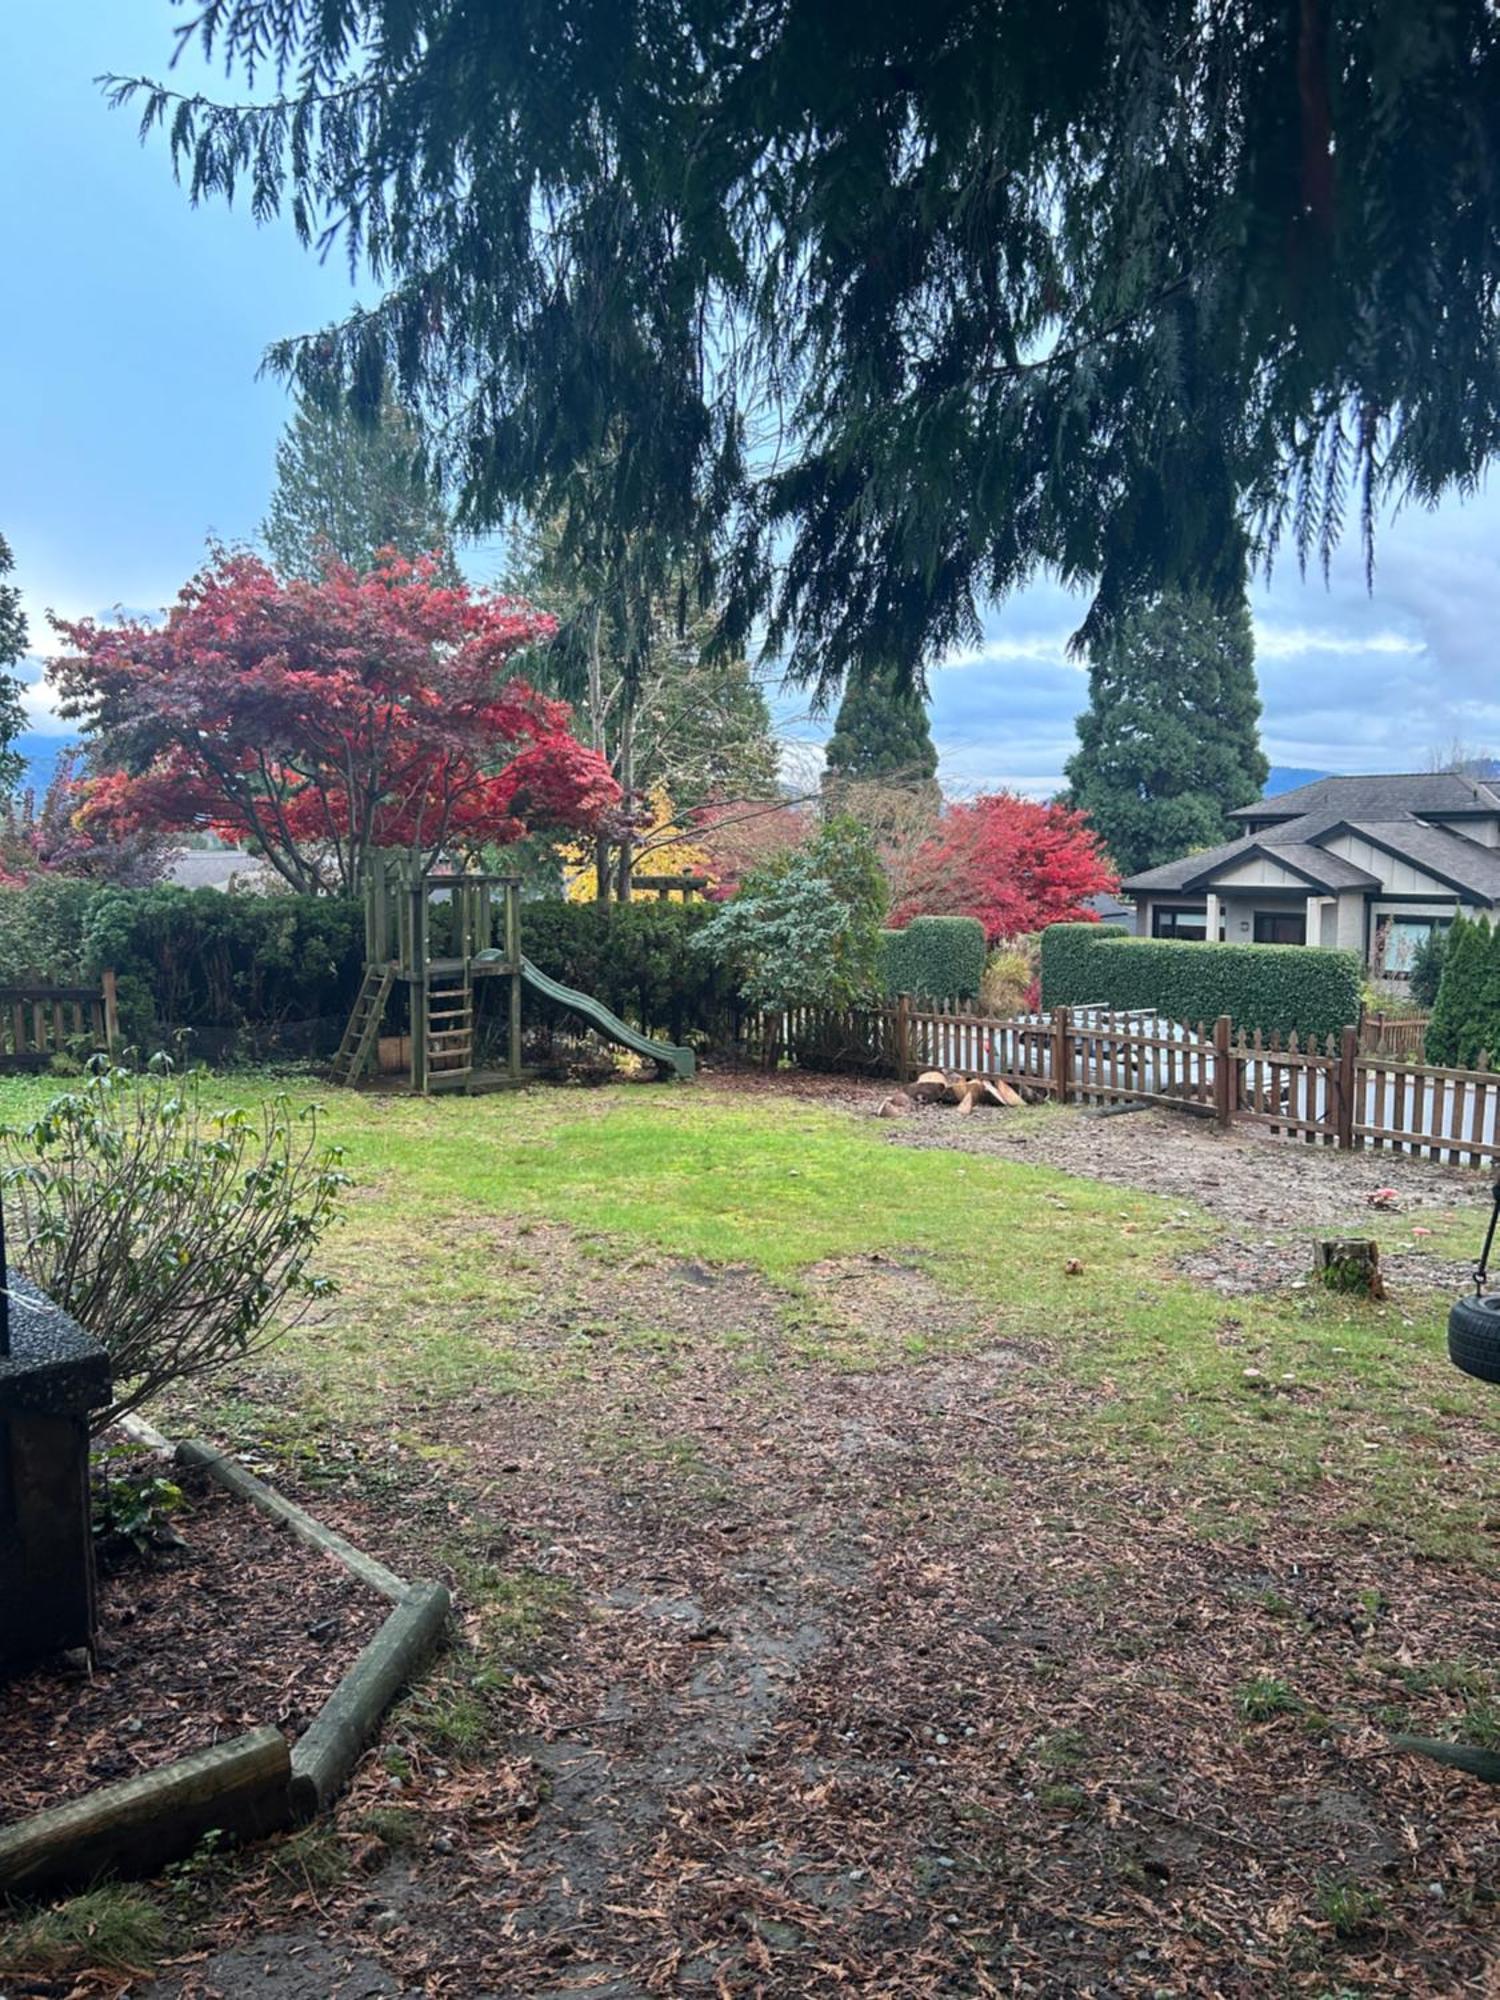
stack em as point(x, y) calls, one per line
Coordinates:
point(241, 1627)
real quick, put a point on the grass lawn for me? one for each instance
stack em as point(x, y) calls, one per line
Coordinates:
point(878, 1569)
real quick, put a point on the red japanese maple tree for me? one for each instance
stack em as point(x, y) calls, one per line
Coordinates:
point(322, 720)
point(1015, 864)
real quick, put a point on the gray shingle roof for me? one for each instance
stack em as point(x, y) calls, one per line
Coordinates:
point(1467, 867)
point(1382, 796)
point(1322, 870)
point(1470, 868)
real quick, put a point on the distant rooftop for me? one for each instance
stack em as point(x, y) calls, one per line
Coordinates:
point(1382, 796)
point(214, 868)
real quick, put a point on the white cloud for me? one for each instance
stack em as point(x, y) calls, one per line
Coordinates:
point(1042, 649)
point(40, 703)
point(1290, 642)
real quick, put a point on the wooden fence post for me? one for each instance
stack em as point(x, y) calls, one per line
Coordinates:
point(1062, 1054)
point(903, 1038)
point(1223, 1074)
point(1344, 1088)
point(111, 1011)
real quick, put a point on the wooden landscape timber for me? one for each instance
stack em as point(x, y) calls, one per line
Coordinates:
point(257, 1783)
point(324, 1756)
point(241, 1788)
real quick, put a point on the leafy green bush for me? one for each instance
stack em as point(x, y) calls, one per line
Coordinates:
point(42, 932)
point(805, 929)
point(1465, 1022)
point(131, 1502)
point(219, 966)
point(940, 958)
point(1279, 989)
point(176, 1234)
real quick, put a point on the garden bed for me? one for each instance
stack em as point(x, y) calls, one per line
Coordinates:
point(242, 1627)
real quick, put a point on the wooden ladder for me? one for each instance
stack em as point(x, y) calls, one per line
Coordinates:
point(450, 1031)
point(358, 1045)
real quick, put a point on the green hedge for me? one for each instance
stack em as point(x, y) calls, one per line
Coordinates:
point(257, 974)
point(1279, 989)
point(940, 958)
point(635, 957)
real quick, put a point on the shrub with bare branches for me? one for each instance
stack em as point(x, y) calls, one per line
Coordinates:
point(178, 1234)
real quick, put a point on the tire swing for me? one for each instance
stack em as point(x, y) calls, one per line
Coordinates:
point(1474, 1324)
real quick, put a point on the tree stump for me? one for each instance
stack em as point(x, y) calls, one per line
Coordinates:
point(1349, 1264)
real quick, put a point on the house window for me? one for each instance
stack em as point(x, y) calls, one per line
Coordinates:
point(1190, 924)
point(1399, 939)
point(1280, 927)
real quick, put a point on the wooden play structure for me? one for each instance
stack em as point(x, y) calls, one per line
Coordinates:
point(442, 992)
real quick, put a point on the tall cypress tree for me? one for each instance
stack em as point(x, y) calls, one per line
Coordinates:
point(1169, 744)
point(347, 489)
point(880, 735)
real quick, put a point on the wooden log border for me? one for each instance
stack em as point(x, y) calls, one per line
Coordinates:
point(242, 1787)
point(251, 1785)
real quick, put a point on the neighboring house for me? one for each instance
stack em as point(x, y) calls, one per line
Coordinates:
point(217, 868)
point(1368, 864)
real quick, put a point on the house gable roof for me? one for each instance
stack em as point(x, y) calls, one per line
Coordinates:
point(1470, 870)
point(1383, 796)
point(1462, 865)
point(1330, 872)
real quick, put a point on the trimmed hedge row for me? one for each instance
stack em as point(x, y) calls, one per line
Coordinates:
point(1278, 989)
point(638, 959)
point(267, 973)
point(940, 958)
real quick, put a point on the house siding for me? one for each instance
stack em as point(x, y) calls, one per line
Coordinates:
point(1259, 873)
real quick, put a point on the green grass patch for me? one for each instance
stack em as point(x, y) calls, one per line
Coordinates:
point(454, 1278)
point(118, 1929)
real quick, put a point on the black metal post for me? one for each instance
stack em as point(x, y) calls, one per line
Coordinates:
point(1481, 1269)
point(4, 1290)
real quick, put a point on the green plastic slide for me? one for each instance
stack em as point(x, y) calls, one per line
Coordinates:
point(609, 1025)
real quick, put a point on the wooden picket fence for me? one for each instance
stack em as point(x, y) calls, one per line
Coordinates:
point(1403, 1035)
point(1330, 1093)
point(39, 1022)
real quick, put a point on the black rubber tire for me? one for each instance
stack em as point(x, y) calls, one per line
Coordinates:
point(1474, 1337)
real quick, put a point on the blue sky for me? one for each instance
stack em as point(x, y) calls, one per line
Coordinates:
point(134, 426)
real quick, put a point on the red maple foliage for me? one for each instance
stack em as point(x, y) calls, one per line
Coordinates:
point(739, 835)
point(322, 720)
point(1013, 863)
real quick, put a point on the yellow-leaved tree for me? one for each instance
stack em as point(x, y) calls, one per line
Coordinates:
point(663, 846)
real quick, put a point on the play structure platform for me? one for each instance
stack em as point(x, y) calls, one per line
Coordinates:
point(443, 992)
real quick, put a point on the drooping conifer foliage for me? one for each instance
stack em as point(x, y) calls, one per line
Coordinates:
point(911, 301)
point(1169, 745)
point(319, 721)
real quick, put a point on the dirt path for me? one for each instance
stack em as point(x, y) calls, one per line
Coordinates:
point(874, 1684)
